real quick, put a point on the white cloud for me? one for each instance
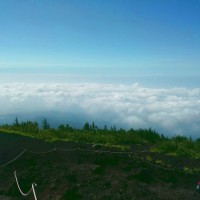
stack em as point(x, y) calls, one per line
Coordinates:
point(171, 111)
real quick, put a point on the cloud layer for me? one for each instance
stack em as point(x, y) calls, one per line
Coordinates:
point(170, 111)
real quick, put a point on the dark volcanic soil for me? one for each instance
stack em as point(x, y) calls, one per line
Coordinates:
point(82, 174)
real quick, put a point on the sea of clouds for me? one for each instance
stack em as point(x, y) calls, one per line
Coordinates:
point(170, 111)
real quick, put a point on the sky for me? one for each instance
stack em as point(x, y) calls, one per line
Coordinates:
point(105, 44)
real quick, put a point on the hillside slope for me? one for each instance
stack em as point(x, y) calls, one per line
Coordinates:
point(86, 171)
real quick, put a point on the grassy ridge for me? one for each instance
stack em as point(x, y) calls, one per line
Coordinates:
point(90, 133)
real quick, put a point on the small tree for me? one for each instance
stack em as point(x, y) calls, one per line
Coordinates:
point(45, 124)
point(93, 127)
point(16, 122)
point(86, 127)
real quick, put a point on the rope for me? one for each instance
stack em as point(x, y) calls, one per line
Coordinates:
point(96, 151)
point(32, 188)
point(59, 149)
point(80, 149)
point(42, 152)
point(112, 152)
point(14, 158)
point(24, 194)
point(158, 166)
point(91, 150)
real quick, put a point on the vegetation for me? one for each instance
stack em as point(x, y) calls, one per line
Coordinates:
point(90, 133)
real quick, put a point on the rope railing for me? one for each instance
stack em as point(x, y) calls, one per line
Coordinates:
point(14, 158)
point(112, 152)
point(41, 152)
point(80, 149)
point(158, 166)
point(95, 151)
point(31, 190)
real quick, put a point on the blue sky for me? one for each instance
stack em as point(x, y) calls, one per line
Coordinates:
point(135, 38)
point(132, 63)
